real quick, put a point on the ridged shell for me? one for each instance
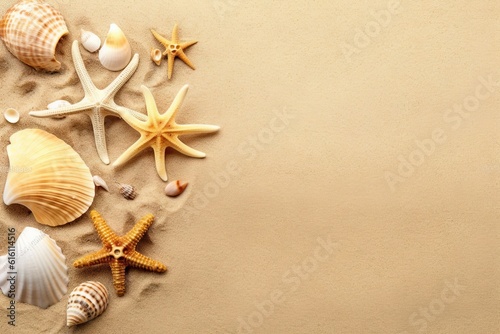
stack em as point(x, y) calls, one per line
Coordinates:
point(115, 53)
point(11, 115)
point(90, 41)
point(127, 191)
point(156, 56)
point(42, 275)
point(47, 176)
point(31, 30)
point(175, 188)
point(86, 302)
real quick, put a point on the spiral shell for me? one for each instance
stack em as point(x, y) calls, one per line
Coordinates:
point(40, 270)
point(90, 41)
point(31, 30)
point(86, 302)
point(47, 176)
point(115, 53)
point(127, 191)
point(175, 188)
point(11, 115)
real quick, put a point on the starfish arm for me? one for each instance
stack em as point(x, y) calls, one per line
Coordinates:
point(175, 34)
point(97, 119)
point(118, 272)
point(186, 45)
point(138, 260)
point(170, 65)
point(153, 114)
point(133, 236)
point(92, 259)
point(120, 110)
point(72, 109)
point(159, 151)
point(165, 42)
point(132, 151)
point(179, 146)
point(176, 104)
point(185, 59)
point(184, 129)
point(88, 86)
point(105, 233)
point(122, 78)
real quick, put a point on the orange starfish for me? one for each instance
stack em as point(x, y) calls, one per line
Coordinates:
point(119, 252)
point(173, 48)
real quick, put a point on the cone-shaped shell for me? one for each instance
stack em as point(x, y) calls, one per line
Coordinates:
point(31, 30)
point(42, 275)
point(86, 302)
point(115, 53)
point(47, 176)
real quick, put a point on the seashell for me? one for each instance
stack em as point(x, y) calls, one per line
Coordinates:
point(41, 272)
point(90, 41)
point(86, 302)
point(127, 191)
point(11, 115)
point(99, 182)
point(115, 53)
point(47, 176)
point(58, 104)
point(156, 56)
point(31, 30)
point(175, 188)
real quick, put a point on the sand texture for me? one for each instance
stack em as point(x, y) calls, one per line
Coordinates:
point(353, 186)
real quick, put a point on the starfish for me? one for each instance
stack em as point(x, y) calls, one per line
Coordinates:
point(161, 131)
point(119, 252)
point(97, 103)
point(174, 49)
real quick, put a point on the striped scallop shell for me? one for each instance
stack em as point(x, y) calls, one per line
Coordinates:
point(47, 176)
point(31, 30)
point(41, 277)
point(86, 302)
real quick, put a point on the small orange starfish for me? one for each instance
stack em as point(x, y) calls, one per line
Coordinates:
point(174, 49)
point(120, 252)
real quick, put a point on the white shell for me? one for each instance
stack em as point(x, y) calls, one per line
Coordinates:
point(90, 41)
point(99, 182)
point(11, 115)
point(156, 56)
point(58, 104)
point(86, 302)
point(175, 188)
point(42, 275)
point(115, 53)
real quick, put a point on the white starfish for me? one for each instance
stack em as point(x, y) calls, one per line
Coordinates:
point(97, 103)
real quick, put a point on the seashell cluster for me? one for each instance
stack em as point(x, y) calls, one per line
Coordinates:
point(86, 302)
point(127, 191)
point(47, 176)
point(31, 30)
point(42, 275)
point(11, 115)
point(175, 188)
point(115, 53)
point(156, 56)
point(90, 41)
point(99, 182)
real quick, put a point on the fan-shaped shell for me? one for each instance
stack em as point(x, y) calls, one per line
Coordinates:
point(31, 30)
point(86, 302)
point(47, 176)
point(42, 275)
point(115, 52)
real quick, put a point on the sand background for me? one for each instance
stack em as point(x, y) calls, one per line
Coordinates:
point(320, 173)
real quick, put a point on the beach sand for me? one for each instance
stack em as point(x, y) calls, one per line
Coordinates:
point(353, 186)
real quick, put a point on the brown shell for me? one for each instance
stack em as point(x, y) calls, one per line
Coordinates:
point(31, 30)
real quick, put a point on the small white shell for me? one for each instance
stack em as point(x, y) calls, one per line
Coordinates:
point(11, 115)
point(99, 182)
point(175, 188)
point(115, 53)
point(58, 104)
point(127, 191)
point(156, 56)
point(42, 274)
point(86, 302)
point(90, 41)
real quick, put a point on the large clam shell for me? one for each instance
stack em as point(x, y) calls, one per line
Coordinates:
point(47, 176)
point(86, 302)
point(31, 30)
point(115, 52)
point(41, 277)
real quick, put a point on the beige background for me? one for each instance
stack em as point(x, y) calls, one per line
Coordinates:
point(322, 175)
